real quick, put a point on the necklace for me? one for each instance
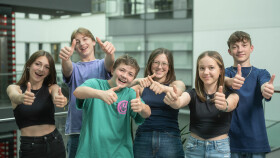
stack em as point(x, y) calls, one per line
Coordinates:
point(37, 92)
point(248, 73)
point(209, 96)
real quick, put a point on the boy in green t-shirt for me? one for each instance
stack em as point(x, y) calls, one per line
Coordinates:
point(107, 108)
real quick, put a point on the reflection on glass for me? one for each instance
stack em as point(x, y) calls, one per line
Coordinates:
point(131, 43)
point(178, 41)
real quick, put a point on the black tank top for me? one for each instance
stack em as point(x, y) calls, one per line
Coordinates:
point(206, 120)
point(39, 113)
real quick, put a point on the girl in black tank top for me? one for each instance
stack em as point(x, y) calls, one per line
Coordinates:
point(33, 99)
point(210, 105)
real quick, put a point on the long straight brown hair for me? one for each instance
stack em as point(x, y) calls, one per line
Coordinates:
point(199, 85)
point(170, 77)
point(49, 80)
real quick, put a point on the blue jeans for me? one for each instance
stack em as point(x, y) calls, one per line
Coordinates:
point(72, 145)
point(47, 146)
point(207, 149)
point(247, 155)
point(158, 145)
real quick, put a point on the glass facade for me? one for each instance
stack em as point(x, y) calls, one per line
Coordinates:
point(137, 27)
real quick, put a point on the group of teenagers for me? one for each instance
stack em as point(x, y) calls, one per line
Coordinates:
point(226, 110)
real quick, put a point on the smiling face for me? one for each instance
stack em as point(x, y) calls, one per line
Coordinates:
point(39, 70)
point(160, 67)
point(240, 51)
point(84, 45)
point(209, 71)
point(123, 75)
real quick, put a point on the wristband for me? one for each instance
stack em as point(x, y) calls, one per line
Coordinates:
point(226, 107)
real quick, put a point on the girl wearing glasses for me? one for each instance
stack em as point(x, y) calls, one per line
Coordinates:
point(159, 135)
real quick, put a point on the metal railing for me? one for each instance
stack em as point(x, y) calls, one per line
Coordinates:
point(13, 119)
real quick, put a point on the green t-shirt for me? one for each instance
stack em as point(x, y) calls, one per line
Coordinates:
point(106, 130)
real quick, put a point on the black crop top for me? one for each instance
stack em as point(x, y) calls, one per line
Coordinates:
point(39, 113)
point(206, 120)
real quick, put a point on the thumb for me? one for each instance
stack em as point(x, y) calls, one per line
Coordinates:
point(153, 75)
point(271, 79)
point(59, 91)
point(115, 88)
point(99, 41)
point(28, 87)
point(150, 78)
point(220, 90)
point(175, 89)
point(73, 45)
point(239, 70)
point(137, 94)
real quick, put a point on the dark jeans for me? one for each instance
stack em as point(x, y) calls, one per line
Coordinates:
point(247, 155)
point(158, 145)
point(72, 145)
point(47, 146)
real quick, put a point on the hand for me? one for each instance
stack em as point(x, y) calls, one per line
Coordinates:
point(268, 89)
point(109, 96)
point(156, 86)
point(60, 100)
point(220, 99)
point(238, 80)
point(107, 47)
point(171, 97)
point(136, 104)
point(146, 82)
point(66, 52)
point(28, 97)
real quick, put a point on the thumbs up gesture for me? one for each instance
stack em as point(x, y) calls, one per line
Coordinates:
point(59, 99)
point(268, 88)
point(238, 80)
point(107, 47)
point(66, 52)
point(220, 100)
point(171, 97)
point(136, 104)
point(28, 96)
point(109, 96)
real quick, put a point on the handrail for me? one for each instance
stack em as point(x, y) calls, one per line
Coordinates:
point(12, 118)
point(273, 124)
point(274, 149)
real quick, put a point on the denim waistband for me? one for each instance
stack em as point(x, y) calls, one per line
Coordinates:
point(207, 142)
point(175, 133)
point(41, 139)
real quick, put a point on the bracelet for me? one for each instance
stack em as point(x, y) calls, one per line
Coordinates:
point(226, 107)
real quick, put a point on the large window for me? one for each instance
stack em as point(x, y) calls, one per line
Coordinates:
point(151, 24)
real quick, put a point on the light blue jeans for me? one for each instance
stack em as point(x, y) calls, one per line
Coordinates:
point(207, 149)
